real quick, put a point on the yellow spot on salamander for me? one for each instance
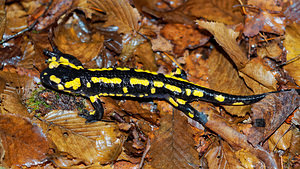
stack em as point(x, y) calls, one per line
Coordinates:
point(88, 84)
point(172, 101)
point(188, 92)
point(238, 103)
point(145, 71)
point(111, 94)
point(122, 68)
point(104, 94)
point(180, 101)
point(153, 90)
point(130, 95)
point(173, 88)
point(55, 79)
point(63, 60)
point(93, 98)
point(158, 84)
point(191, 115)
point(45, 73)
point(102, 69)
point(52, 59)
point(220, 98)
point(125, 89)
point(53, 65)
point(60, 87)
point(198, 93)
point(141, 95)
point(74, 83)
point(135, 81)
point(119, 95)
point(106, 80)
point(92, 112)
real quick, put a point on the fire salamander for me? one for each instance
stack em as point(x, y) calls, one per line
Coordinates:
point(66, 73)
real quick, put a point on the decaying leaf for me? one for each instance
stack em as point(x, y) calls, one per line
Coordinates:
point(270, 113)
point(56, 10)
point(23, 142)
point(172, 146)
point(222, 156)
point(75, 40)
point(226, 38)
point(91, 143)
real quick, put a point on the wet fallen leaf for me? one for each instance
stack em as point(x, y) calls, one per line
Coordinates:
point(292, 45)
point(76, 39)
point(23, 142)
point(91, 143)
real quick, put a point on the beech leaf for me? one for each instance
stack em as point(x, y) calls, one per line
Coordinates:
point(120, 13)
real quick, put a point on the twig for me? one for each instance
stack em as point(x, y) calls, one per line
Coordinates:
point(29, 27)
point(148, 145)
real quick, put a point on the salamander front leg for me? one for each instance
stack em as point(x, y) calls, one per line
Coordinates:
point(97, 114)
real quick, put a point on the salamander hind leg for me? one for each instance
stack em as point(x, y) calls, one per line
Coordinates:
point(187, 109)
point(97, 114)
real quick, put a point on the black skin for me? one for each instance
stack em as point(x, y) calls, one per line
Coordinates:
point(66, 74)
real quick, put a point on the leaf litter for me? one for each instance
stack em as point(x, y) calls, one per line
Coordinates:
point(229, 46)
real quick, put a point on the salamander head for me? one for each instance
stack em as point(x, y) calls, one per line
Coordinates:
point(62, 78)
point(57, 58)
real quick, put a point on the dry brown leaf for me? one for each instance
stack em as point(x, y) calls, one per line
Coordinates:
point(226, 38)
point(146, 56)
point(2, 18)
point(120, 14)
point(292, 12)
point(173, 146)
point(17, 89)
point(161, 44)
point(265, 22)
point(183, 37)
point(223, 77)
point(271, 50)
point(92, 143)
point(234, 138)
point(280, 139)
point(248, 160)
point(56, 10)
point(16, 19)
point(222, 156)
point(292, 45)
point(23, 142)
point(270, 113)
point(74, 41)
point(219, 11)
point(257, 71)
